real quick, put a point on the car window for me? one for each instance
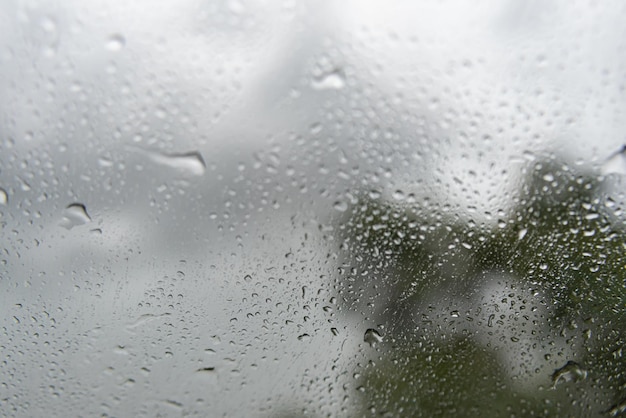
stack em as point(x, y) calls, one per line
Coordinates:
point(277, 209)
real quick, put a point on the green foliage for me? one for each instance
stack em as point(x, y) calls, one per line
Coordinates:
point(561, 244)
point(457, 378)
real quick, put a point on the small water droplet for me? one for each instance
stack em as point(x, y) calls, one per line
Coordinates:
point(129, 383)
point(340, 206)
point(115, 42)
point(105, 162)
point(522, 233)
point(24, 185)
point(571, 372)
point(120, 349)
point(74, 215)
point(372, 337)
point(316, 128)
point(174, 404)
point(304, 337)
point(333, 80)
point(374, 194)
point(4, 197)
point(398, 195)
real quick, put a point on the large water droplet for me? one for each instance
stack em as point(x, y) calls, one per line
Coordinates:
point(105, 162)
point(617, 410)
point(115, 42)
point(334, 80)
point(616, 163)
point(48, 24)
point(190, 163)
point(74, 215)
point(236, 7)
point(571, 372)
point(144, 319)
point(372, 337)
point(4, 197)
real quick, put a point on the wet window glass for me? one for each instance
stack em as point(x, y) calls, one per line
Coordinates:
point(283, 208)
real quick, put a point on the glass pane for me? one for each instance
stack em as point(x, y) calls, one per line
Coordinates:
point(279, 208)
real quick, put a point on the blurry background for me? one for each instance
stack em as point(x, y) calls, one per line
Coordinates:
point(281, 208)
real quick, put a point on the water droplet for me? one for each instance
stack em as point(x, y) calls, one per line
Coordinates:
point(74, 215)
point(121, 350)
point(340, 206)
point(191, 163)
point(571, 372)
point(105, 162)
point(115, 42)
point(236, 7)
point(128, 383)
point(616, 163)
point(522, 233)
point(617, 410)
point(4, 197)
point(174, 404)
point(333, 80)
point(144, 319)
point(316, 128)
point(24, 184)
point(372, 337)
point(48, 24)
point(398, 195)
point(304, 337)
point(374, 194)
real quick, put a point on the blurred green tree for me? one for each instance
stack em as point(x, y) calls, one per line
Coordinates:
point(543, 285)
